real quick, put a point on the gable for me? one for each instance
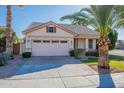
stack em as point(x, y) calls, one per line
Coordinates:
point(69, 29)
point(42, 31)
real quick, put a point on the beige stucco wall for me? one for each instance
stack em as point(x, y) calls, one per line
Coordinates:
point(31, 38)
point(42, 34)
point(22, 48)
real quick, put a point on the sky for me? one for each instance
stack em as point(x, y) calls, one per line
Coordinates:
point(22, 18)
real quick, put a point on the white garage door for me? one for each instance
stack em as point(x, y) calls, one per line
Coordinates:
point(50, 48)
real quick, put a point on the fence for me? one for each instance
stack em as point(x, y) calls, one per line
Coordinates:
point(16, 49)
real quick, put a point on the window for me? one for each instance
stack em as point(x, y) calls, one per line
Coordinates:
point(37, 41)
point(63, 41)
point(90, 43)
point(51, 29)
point(46, 41)
point(55, 41)
point(28, 41)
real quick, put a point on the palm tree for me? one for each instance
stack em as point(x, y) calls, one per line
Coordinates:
point(120, 16)
point(8, 29)
point(9, 42)
point(76, 19)
point(79, 19)
point(102, 18)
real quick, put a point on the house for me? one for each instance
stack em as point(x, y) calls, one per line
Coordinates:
point(52, 39)
point(120, 44)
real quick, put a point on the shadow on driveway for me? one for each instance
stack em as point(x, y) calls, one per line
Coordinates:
point(36, 64)
point(105, 79)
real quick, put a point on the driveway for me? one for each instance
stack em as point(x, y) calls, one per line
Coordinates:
point(55, 72)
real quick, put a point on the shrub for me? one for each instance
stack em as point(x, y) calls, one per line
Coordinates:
point(4, 57)
point(77, 52)
point(92, 53)
point(71, 53)
point(26, 54)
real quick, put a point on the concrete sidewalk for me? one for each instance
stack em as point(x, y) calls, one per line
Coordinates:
point(79, 81)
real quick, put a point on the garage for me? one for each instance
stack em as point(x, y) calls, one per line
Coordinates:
point(50, 48)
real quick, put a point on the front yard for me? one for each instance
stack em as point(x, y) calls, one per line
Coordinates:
point(115, 61)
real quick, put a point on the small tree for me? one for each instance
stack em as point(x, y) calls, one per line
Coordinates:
point(14, 38)
point(2, 39)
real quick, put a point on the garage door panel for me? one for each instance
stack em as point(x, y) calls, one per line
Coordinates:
point(50, 49)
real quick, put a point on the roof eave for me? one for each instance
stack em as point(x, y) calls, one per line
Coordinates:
point(87, 36)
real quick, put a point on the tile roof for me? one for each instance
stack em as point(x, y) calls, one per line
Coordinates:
point(78, 29)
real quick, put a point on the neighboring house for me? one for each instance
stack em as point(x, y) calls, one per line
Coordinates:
point(120, 44)
point(52, 39)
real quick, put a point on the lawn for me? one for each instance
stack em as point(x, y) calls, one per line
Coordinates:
point(114, 61)
point(116, 57)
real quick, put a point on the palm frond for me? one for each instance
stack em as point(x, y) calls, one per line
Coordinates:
point(100, 17)
point(76, 18)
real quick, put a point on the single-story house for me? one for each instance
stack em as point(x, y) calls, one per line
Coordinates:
point(53, 39)
point(120, 44)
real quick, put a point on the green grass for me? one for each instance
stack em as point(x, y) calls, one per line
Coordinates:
point(116, 57)
point(90, 61)
point(117, 64)
point(115, 61)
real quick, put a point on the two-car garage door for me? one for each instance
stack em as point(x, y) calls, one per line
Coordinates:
point(50, 48)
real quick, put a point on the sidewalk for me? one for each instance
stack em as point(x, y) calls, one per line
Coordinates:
point(79, 81)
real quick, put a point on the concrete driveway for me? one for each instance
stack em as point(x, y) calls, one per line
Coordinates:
point(54, 72)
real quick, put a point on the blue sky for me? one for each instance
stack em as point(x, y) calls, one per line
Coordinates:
point(23, 17)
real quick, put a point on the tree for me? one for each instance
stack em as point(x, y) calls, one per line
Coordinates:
point(14, 38)
point(2, 38)
point(79, 19)
point(9, 42)
point(76, 19)
point(8, 29)
point(119, 11)
point(101, 18)
point(113, 36)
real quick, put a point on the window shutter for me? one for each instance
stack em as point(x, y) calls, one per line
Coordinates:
point(46, 28)
point(55, 29)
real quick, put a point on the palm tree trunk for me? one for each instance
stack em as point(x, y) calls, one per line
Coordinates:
point(103, 56)
point(103, 44)
point(8, 30)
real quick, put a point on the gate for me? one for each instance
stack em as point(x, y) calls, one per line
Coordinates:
point(16, 49)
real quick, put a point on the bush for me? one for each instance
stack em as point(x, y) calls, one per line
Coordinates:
point(77, 52)
point(71, 53)
point(26, 54)
point(92, 53)
point(4, 57)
